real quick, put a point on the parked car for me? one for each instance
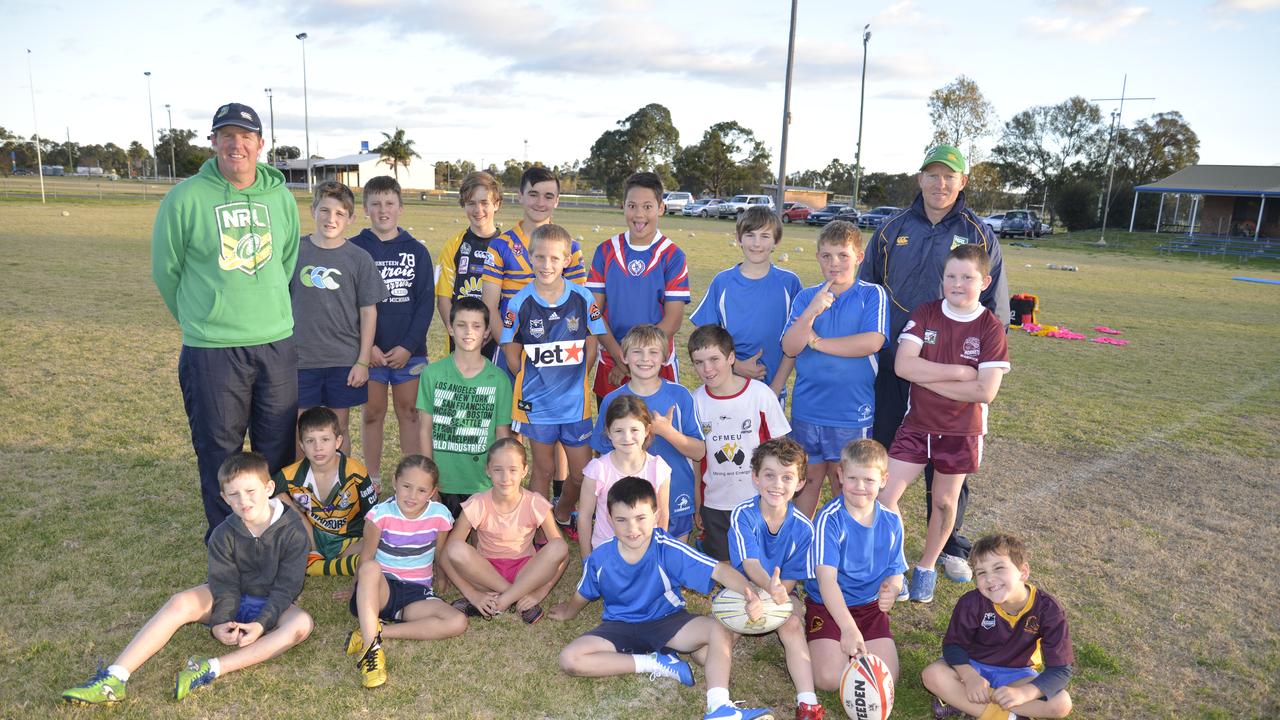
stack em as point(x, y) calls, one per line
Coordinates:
point(738, 204)
point(994, 222)
point(676, 200)
point(873, 217)
point(23, 171)
point(795, 212)
point(848, 213)
point(702, 207)
point(823, 216)
point(1020, 222)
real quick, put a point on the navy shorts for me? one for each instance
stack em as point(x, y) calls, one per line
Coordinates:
point(574, 434)
point(400, 594)
point(397, 376)
point(715, 533)
point(328, 387)
point(678, 527)
point(453, 501)
point(822, 443)
point(642, 637)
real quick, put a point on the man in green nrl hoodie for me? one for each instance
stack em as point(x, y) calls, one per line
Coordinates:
point(223, 248)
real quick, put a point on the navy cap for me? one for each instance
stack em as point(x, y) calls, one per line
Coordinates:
point(238, 115)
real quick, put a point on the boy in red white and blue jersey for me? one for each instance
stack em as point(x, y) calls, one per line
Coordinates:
point(639, 277)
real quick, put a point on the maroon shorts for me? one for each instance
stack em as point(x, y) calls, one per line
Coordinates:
point(950, 454)
point(819, 625)
point(509, 568)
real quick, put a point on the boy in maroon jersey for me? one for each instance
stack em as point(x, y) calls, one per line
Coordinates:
point(999, 634)
point(954, 353)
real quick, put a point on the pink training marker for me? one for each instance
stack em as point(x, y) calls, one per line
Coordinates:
point(1107, 330)
point(1065, 334)
point(1110, 341)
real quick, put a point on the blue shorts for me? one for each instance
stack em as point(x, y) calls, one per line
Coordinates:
point(642, 637)
point(574, 434)
point(250, 607)
point(822, 443)
point(328, 387)
point(397, 376)
point(1000, 676)
point(400, 594)
point(678, 527)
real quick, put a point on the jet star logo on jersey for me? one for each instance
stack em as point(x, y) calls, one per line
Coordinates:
point(244, 230)
point(556, 354)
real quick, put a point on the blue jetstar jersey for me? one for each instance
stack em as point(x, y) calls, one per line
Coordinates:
point(508, 264)
point(650, 589)
point(862, 556)
point(788, 549)
point(839, 391)
point(754, 312)
point(685, 420)
point(551, 385)
point(637, 282)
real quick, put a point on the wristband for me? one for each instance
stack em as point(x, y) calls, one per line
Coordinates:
point(362, 364)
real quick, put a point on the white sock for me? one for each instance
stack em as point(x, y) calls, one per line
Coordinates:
point(119, 672)
point(925, 569)
point(215, 666)
point(646, 664)
point(807, 698)
point(717, 697)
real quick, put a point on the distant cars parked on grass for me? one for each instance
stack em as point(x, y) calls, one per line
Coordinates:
point(1020, 222)
point(702, 207)
point(994, 222)
point(848, 214)
point(823, 216)
point(738, 204)
point(795, 212)
point(873, 217)
point(676, 200)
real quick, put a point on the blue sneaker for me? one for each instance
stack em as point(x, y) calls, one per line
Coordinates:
point(922, 584)
point(733, 712)
point(673, 667)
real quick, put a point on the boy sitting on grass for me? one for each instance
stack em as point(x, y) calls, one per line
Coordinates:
point(639, 573)
point(999, 634)
point(257, 560)
point(331, 491)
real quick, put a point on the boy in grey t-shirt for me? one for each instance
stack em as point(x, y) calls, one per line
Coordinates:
point(335, 290)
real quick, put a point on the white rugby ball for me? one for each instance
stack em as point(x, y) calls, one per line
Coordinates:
point(866, 689)
point(730, 608)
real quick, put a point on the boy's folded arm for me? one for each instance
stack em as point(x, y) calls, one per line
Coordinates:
point(290, 573)
point(982, 390)
point(224, 580)
point(908, 365)
point(852, 346)
point(955, 655)
point(1053, 680)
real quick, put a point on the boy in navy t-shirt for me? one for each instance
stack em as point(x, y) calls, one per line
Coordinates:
point(638, 573)
point(549, 336)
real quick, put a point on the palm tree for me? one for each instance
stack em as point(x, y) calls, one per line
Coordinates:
point(396, 151)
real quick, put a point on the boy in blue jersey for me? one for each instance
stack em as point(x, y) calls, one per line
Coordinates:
point(549, 335)
point(638, 573)
point(855, 569)
point(399, 350)
point(752, 300)
point(639, 277)
point(834, 332)
point(677, 432)
point(769, 542)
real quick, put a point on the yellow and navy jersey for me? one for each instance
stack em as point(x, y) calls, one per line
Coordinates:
point(551, 382)
point(462, 264)
point(508, 264)
point(341, 512)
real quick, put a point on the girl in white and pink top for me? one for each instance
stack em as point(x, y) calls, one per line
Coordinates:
point(627, 422)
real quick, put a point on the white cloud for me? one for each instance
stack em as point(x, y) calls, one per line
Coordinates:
point(905, 14)
point(1246, 5)
point(1086, 21)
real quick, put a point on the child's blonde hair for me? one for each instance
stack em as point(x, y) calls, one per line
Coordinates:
point(552, 233)
point(842, 233)
point(644, 336)
point(867, 453)
point(506, 443)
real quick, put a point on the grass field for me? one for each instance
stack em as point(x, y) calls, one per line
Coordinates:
point(1141, 476)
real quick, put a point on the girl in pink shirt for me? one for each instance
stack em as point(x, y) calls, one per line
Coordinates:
point(504, 568)
point(627, 422)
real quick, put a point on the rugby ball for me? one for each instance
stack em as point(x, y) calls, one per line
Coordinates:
point(730, 608)
point(866, 689)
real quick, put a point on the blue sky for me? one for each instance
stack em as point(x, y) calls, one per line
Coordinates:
point(475, 80)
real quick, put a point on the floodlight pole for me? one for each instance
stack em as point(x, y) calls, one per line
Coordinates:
point(1111, 168)
point(862, 99)
point(173, 152)
point(35, 126)
point(786, 113)
point(155, 159)
point(271, 108)
point(306, 115)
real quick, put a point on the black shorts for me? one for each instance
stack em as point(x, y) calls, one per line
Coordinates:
point(715, 533)
point(642, 637)
point(400, 594)
point(453, 501)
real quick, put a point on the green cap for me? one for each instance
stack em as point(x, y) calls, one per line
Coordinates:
point(948, 155)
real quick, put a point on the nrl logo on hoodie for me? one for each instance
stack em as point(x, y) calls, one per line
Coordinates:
point(244, 230)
